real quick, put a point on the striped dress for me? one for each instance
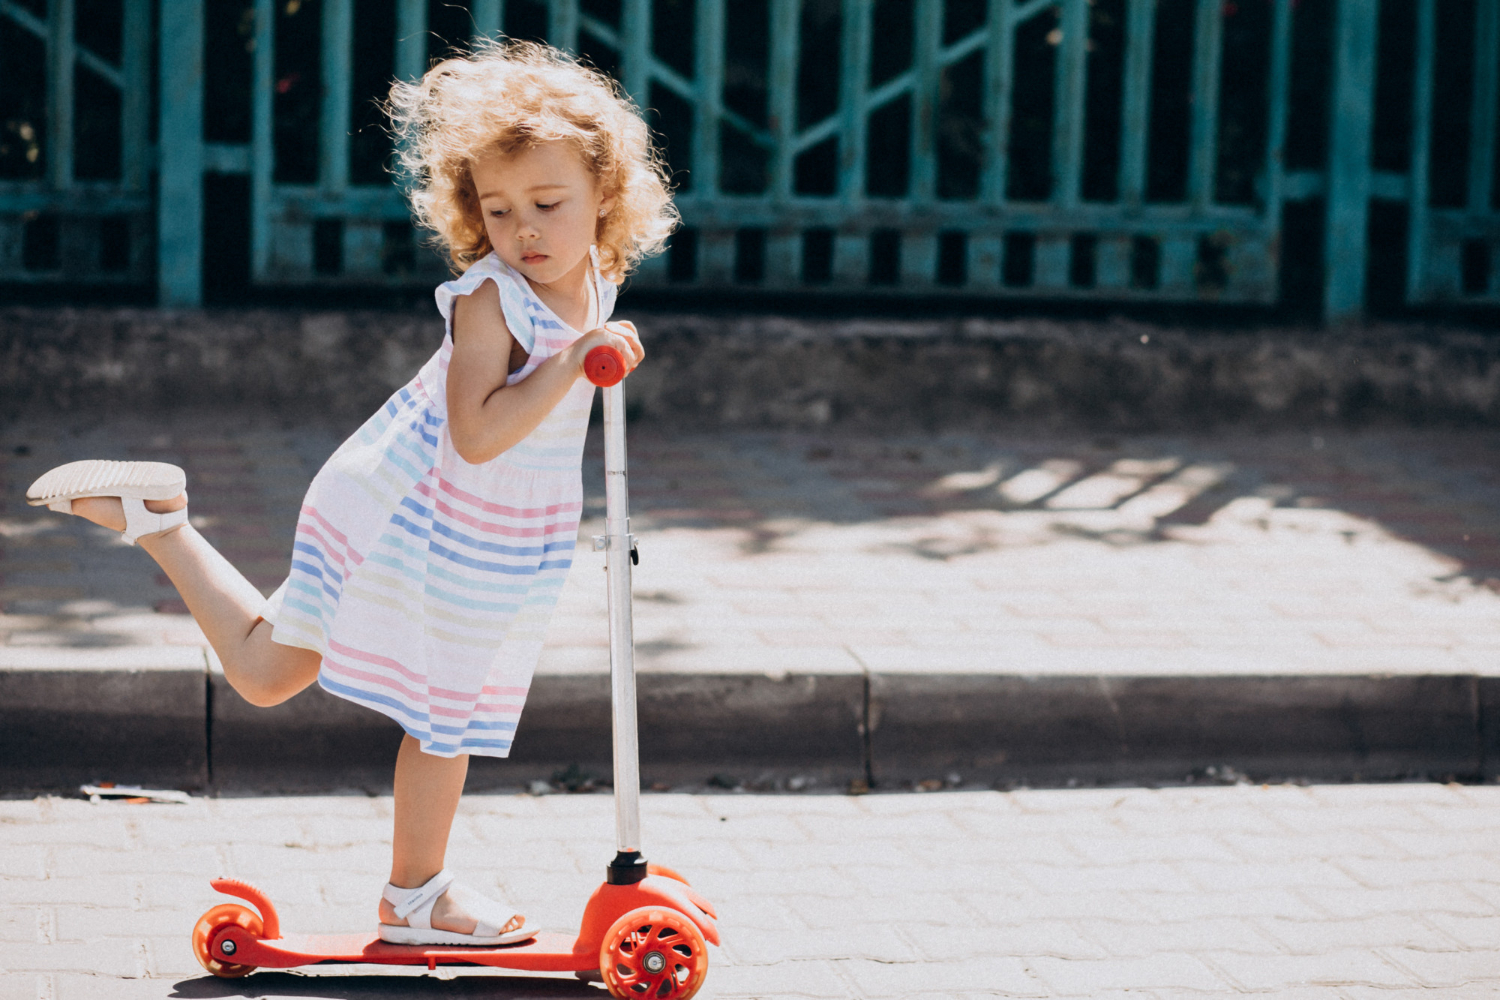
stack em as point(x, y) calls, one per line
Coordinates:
point(425, 582)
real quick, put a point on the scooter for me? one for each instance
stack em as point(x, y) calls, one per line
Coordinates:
point(644, 931)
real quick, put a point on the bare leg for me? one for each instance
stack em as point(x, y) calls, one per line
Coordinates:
point(224, 604)
point(428, 788)
point(227, 608)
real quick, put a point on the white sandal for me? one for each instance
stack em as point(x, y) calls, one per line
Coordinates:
point(415, 907)
point(133, 482)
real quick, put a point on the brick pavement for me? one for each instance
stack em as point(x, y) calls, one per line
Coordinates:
point(1329, 892)
point(1018, 551)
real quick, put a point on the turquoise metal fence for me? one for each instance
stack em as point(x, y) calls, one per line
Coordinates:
point(1117, 150)
point(58, 201)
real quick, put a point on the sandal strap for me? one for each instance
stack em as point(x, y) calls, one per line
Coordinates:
point(492, 918)
point(415, 905)
point(139, 521)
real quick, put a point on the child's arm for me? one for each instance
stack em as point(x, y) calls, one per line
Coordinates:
point(487, 417)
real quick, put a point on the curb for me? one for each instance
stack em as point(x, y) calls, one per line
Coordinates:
point(183, 727)
point(729, 369)
point(1054, 730)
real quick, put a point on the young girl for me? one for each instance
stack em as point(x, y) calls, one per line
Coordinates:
point(431, 548)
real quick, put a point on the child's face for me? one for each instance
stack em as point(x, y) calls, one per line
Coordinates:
point(541, 209)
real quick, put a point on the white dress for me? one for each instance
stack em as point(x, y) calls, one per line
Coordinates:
point(426, 582)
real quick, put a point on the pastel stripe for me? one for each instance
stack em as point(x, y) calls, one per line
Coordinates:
point(425, 582)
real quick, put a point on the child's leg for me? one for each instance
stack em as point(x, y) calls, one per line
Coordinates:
point(428, 788)
point(225, 605)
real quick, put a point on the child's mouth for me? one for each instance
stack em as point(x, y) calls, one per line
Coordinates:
point(533, 258)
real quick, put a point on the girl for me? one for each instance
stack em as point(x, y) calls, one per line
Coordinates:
point(431, 548)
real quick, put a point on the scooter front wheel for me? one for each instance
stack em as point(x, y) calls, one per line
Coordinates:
point(653, 952)
point(208, 930)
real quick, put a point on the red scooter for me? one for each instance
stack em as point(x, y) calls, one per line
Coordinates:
point(644, 931)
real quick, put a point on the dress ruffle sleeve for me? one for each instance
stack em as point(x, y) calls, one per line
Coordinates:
point(512, 301)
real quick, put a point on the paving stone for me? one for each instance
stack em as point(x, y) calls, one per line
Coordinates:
point(1170, 971)
point(1056, 938)
point(1480, 933)
point(1417, 897)
point(1479, 970)
point(1425, 932)
point(1142, 938)
point(1178, 906)
point(1333, 968)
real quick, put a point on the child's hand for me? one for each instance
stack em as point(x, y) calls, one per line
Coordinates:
point(619, 334)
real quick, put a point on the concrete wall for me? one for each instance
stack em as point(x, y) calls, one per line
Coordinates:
point(769, 371)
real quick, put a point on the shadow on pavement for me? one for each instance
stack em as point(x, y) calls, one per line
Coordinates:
point(1034, 486)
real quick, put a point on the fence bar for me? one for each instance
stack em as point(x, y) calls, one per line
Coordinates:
point(411, 39)
point(1067, 128)
point(60, 59)
point(1278, 87)
point(635, 50)
point(1178, 255)
point(928, 25)
point(782, 96)
point(919, 255)
point(1421, 151)
point(262, 148)
point(562, 24)
point(135, 99)
point(1352, 117)
point(854, 67)
point(984, 256)
point(488, 17)
point(1482, 116)
point(179, 202)
point(1140, 38)
point(716, 256)
point(333, 121)
point(1113, 261)
point(1053, 254)
point(999, 71)
point(1208, 36)
point(708, 66)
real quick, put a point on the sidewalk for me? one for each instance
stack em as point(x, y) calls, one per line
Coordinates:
point(1052, 606)
point(1377, 892)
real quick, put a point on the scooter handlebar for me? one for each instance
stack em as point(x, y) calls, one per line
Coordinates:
point(604, 366)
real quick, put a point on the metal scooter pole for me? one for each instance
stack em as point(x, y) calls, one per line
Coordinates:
point(620, 553)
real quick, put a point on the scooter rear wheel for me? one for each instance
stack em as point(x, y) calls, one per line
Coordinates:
point(208, 929)
point(655, 953)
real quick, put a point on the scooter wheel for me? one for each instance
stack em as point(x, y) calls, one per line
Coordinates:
point(653, 952)
point(211, 926)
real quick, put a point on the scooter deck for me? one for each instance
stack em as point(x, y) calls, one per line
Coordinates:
point(547, 952)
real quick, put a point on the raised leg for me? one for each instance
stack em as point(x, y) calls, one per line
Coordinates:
point(225, 605)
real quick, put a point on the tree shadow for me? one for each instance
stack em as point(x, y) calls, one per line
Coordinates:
point(1437, 489)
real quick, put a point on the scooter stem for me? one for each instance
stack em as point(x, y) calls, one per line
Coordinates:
point(619, 546)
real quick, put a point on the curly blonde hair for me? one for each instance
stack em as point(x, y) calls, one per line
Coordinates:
point(506, 96)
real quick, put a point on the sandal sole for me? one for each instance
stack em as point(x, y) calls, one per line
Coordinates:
point(396, 934)
point(104, 478)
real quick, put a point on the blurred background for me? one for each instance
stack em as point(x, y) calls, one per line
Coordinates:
point(1103, 341)
point(1312, 159)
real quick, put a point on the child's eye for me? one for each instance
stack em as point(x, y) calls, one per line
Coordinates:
point(498, 212)
point(547, 208)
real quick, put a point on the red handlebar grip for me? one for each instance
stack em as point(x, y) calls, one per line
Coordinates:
point(604, 366)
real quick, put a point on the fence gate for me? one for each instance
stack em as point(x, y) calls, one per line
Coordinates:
point(1120, 150)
